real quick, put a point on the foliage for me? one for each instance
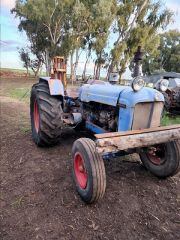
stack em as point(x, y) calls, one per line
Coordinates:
point(66, 27)
point(44, 23)
point(29, 62)
point(168, 120)
point(24, 55)
point(167, 55)
point(137, 23)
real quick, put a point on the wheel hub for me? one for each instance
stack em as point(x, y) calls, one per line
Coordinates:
point(80, 171)
point(156, 154)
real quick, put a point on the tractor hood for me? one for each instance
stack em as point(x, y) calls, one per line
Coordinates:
point(114, 94)
point(107, 93)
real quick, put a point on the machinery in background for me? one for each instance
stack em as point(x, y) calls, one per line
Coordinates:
point(169, 85)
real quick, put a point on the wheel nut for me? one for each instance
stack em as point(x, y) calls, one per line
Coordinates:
point(81, 168)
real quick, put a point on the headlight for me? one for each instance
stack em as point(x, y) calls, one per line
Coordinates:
point(164, 85)
point(137, 83)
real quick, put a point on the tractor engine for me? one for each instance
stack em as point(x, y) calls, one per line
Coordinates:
point(102, 115)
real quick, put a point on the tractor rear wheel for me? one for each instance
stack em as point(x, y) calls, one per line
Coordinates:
point(88, 170)
point(46, 112)
point(162, 160)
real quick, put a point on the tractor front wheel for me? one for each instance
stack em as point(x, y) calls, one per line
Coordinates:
point(46, 114)
point(162, 160)
point(88, 170)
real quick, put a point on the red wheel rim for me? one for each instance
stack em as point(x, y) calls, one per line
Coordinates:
point(157, 154)
point(154, 159)
point(36, 116)
point(80, 171)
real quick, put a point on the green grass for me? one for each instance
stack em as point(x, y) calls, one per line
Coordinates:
point(21, 94)
point(25, 129)
point(169, 120)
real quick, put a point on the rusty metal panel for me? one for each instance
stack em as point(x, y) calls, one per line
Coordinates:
point(156, 116)
point(56, 87)
point(147, 115)
point(141, 115)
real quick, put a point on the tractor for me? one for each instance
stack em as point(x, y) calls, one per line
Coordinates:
point(124, 120)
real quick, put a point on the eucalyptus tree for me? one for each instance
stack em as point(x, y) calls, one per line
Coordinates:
point(45, 23)
point(61, 26)
point(24, 56)
point(90, 25)
point(136, 23)
point(166, 56)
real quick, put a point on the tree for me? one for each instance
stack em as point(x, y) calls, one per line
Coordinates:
point(24, 56)
point(136, 24)
point(30, 61)
point(167, 56)
point(90, 25)
point(105, 13)
point(66, 27)
point(39, 44)
point(45, 23)
point(59, 27)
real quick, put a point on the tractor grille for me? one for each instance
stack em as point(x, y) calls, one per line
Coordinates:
point(147, 115)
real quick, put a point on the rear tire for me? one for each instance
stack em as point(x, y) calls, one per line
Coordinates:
point(162, 160)
point(46, 112)
point(88, 170)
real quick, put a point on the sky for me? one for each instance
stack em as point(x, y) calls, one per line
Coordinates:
point(11, 39)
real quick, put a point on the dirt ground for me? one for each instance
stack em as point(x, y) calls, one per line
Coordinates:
point(39, 201)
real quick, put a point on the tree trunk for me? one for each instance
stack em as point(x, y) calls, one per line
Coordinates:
point(71, 67)
point(100, 67)
point(96, 74)
point(47, 63)
point(98, 70)
point(120, 77)
point(95, 67)
point(37, 70)
point(76, 64)
point(85, 66)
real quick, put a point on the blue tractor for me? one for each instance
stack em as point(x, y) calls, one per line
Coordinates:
point(124, 119)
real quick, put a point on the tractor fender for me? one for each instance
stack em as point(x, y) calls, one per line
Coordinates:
point(56, 87)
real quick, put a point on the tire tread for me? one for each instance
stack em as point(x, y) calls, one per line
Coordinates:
point(50, 109)
point(97, 167)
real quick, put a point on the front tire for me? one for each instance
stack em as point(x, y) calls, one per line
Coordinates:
point(46, 112)
point(88, 171)
point(162, 160)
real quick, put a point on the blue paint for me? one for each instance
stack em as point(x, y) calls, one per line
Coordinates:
point(116, 94)
point(110, 95)
point(108, 156)
point(125, 119)
point(130, 99)
point(94, 128)
point(107, 94)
